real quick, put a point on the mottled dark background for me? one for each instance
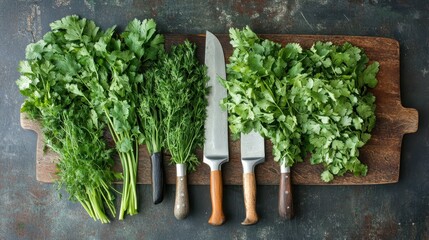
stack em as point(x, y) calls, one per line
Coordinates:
point(32, 210)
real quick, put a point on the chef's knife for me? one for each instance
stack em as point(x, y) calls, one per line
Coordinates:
point(252, 153)
point(216, 126)
point(285, 193)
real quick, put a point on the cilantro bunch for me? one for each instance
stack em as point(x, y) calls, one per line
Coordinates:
point(305, 101)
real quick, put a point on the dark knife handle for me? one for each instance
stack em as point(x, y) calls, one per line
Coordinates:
point(181, 204)
point(157, 177)
point(285, 196)
point(249, 189)
point(216, 193)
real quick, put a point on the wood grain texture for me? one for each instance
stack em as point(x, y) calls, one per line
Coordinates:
point(181, 204)
point(217, 217)
point(285, 196)
point(249, 190)
point(382, 154)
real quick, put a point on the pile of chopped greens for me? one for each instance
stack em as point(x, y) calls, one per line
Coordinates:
point(304, 100)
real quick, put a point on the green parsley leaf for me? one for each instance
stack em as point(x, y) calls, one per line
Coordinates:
point(304, 100)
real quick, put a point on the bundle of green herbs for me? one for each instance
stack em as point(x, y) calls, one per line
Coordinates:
point(181, 92)
point(152, 120)
point(46, 78)
point(79, 79)
point(304, 100)
point(114, 94)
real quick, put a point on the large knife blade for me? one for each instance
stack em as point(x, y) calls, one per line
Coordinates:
point(216, 126)
point(252, 153)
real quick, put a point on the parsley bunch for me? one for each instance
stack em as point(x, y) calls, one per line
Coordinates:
point(113, 92)
point(92, 77)
point(305, 101)
point(70, 126)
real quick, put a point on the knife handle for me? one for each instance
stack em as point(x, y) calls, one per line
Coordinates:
point(217, 218)
point(285, 196)
point(157, 177)
point(181, 205)
point(249, 188)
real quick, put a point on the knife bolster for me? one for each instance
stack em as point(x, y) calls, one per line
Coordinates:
point(180, 170)
point(284, 169)
point(215, 162)
point(250, 163)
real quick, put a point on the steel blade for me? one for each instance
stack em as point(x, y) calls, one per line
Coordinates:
point(216, 125)
point(252, 146)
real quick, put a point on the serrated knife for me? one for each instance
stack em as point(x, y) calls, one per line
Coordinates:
point(216, 126)
point(252, 153)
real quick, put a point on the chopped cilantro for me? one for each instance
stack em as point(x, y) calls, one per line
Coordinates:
point(304, 100)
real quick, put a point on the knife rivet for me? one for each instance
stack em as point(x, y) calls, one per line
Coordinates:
point(182, 194)
point(181, 179)
point(286, 192)
point(288, 207)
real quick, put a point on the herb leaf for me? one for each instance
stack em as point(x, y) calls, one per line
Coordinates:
point(304, 100)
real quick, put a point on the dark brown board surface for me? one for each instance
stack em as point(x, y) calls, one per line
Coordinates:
point(381, 154)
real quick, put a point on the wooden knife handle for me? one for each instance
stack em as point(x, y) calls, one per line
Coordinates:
point(216, 191)
point(285, 196)
point(181, 205)
point(157, 177)
point(249, 188)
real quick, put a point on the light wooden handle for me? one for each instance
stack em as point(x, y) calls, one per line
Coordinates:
point(181, 205)
point(249, 188)
point(217, 218)
point(285, 196)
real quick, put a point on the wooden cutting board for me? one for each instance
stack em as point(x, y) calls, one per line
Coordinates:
point(382, 154)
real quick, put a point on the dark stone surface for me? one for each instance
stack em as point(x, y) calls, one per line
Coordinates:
point(32, 210)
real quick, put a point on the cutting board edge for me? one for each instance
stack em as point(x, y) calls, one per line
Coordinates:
point(413, 115)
